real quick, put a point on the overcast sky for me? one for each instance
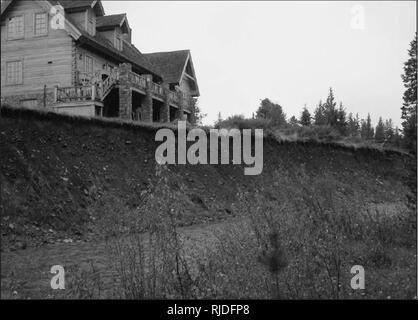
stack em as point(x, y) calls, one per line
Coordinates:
point(290, 52)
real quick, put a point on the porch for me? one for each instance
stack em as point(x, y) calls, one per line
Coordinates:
point(124, 94)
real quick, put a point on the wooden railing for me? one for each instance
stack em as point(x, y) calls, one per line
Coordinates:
point(91, 87)
point(174, 97)
point(84, 78)
point(78, 93)
point(105, 86)
point(157, 89)
point(139, 80)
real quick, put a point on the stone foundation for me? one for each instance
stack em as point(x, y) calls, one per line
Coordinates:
point(34, 100)
point(147, 103)
point(125, 94)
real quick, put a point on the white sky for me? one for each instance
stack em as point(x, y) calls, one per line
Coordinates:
point(290, 52)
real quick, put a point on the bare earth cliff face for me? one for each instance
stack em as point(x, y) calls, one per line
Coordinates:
point(66, 182)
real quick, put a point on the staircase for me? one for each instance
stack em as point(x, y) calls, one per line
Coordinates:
point(105, 86)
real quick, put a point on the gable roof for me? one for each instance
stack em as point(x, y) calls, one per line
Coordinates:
point(66, 4)
point(70, 5)
point(114, 20)
point(170, 64)
point(4, 5)
point(129, 52)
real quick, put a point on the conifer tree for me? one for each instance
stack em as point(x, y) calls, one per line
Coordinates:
point(330, 111)
point(305, 117)
point(319, 115)
point(293, 121)
point(409, 108)
point(367, 131)
point(353, 126)
point(389, 131)
point(341, 120)
point(379, 135)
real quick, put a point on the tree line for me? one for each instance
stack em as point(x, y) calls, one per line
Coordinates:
point(329, 114)
point(348, 125)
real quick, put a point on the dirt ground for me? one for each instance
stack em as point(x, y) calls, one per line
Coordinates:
point(25, 274)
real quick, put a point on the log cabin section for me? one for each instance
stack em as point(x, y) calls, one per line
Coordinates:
point(70, 57)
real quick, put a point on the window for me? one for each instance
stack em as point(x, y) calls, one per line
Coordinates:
point(14, 72)
point(90, 22)
point(118, 43)
point(88, 68)
point(41, 24)
point(15, 28)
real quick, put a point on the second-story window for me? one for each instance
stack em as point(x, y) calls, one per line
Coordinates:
point(118, 43)
point(41, 24)
point(90, 22)
point(89, 65)
point(14, 72)
point(15, 27)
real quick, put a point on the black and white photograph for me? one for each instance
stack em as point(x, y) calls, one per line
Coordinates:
point(217, 151)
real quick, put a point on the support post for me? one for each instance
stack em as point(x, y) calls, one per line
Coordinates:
point(55, 94)
point(147, 103)
point(125, 94)
point(180, 114)
point(165, 110)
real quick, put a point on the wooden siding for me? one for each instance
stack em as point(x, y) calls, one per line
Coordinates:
point(79, 19)
point(109, 35)
point(99, 61)
point(185, 86)
point(47, 60)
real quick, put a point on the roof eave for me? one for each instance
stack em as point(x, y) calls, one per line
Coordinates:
point(117, 56)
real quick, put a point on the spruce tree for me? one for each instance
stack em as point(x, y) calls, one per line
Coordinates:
point(353, 125)
point(409, 108)
point(350, 124)
point(319, 115)
point(357, 121)
point(389, 132)
point(293, 121)
point(367, 131)
point(379, 135)
point(329, 109)
point(305, 117)
point(341, 120)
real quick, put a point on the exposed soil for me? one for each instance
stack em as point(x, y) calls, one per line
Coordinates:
point(53, 171)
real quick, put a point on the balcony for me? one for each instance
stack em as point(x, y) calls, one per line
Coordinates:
point(75, 94)
point(95, 87)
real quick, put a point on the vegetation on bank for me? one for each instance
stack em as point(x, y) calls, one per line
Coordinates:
point(320, 135)
point(298, 243)
point(332, 122)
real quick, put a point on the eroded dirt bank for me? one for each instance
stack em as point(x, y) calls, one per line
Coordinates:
point(54, 171)
point(68, 186)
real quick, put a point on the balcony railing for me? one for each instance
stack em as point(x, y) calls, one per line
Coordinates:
point(72, 94)
point(92, 87)
point(138, 80)
point(157, 89)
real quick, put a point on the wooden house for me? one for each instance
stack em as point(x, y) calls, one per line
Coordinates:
point(70, 57)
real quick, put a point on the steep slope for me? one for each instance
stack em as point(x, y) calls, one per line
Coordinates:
point(59, 173)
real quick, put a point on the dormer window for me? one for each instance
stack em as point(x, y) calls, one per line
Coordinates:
point(91, 28)
point(115, 28)
point(118, 42)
